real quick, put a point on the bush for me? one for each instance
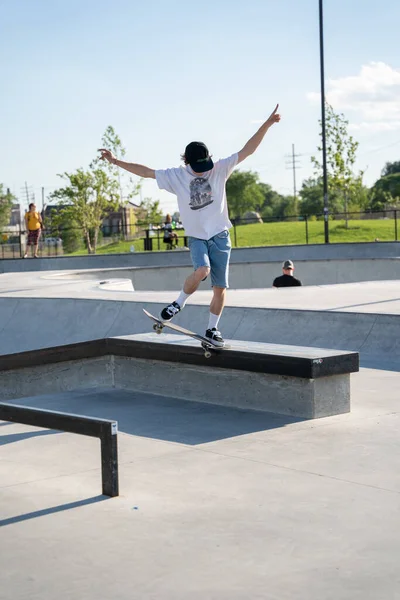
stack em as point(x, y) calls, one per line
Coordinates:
point(71, 239)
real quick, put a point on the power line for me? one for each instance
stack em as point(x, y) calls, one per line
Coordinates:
point(380, 148)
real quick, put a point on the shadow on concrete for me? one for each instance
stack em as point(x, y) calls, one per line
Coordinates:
point(52, 510)
point(379, 365)
point(162, 417)
point(18, 437)
point(364, 304)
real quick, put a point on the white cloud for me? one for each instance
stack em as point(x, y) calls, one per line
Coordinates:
point(373, 94)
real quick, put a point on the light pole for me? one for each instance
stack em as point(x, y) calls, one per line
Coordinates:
point(324, 167)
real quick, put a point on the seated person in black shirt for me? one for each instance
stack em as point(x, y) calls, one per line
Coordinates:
point(287, 279)
point(170, 236)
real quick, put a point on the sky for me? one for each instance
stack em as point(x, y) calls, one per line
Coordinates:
point(164, 73)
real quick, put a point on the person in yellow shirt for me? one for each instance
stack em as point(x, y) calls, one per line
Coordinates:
point(33, 222)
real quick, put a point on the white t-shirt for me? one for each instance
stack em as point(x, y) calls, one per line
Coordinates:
point(201, 198)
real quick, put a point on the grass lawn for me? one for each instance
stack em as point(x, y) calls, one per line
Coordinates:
point(279, 234)
point(120, 247)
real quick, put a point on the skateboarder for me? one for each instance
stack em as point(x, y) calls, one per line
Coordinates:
point(200, 189)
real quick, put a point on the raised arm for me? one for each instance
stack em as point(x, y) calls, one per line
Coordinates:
point(139, 170)
point(258, 137)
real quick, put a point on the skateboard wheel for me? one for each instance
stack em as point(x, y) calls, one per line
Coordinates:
point(207, 354)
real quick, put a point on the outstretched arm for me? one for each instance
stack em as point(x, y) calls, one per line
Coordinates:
point(258, 137)
point(139, 170)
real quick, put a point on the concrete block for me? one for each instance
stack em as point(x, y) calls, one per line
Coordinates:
point(55, 378)
point(286, 395)
point(293, 396)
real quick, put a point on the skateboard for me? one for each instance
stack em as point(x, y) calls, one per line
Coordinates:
point(207, 345)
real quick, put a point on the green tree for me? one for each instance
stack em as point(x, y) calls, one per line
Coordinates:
point(390, 183)
point(59, 224)
point(276, 205)
point(127, 187)
point(386, 191)
point(6, 202)
point(268, 208)
point(90, 195)
point(243, 193)
point(150, 211)
point(86, 200)
point(288, 207)
point(344, 186)
point(312, 198)
point(391, 168)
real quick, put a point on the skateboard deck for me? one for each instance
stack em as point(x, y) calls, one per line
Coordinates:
point(206, 344)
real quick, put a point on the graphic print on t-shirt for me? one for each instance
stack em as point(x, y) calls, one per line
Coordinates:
point(200, 193)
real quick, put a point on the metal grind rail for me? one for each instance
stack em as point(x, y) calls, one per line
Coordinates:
point(103, 429)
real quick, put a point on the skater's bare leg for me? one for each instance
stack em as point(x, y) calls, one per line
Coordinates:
point(218, 301)
point(194, 280)
point(216, 308)
point(190, 286)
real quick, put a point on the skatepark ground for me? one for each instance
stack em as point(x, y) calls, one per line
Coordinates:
point(215, 502)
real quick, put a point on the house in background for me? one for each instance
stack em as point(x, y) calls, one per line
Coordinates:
point(15, 217)
point(14, 225)
point(124, 220)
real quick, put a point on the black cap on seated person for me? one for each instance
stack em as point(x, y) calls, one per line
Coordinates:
point(288, 264)
point(198, 157)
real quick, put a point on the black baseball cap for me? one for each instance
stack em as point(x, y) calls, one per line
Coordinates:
point(288, 264)
point(198, 157)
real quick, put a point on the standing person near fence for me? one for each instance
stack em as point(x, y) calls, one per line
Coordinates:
point(33, 225)
point(200, 189)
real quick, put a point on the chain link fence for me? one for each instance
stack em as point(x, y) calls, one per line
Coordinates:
point(145, 236)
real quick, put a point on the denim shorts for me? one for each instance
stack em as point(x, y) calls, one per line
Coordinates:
point(213, 253)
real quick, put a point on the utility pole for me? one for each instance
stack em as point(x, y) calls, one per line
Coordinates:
point(292, 163)
point(324, 163)
point(19, 224)
point(28, 194)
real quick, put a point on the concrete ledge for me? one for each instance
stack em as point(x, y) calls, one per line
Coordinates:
point(285, 395)
point(277, 359)
point(57, 377)
point(301, 382)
